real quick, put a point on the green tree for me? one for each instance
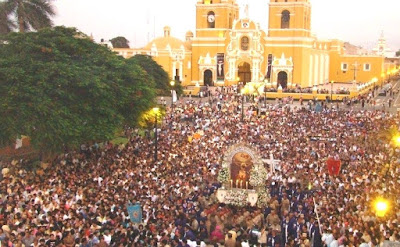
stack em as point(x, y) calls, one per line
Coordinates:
point(156, 73)
point(63, 90)
point(120, 42)
point(398, 53)
point(29, 14)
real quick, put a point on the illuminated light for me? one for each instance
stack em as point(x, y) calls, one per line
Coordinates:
point(381, 207)
point(396, 140)
point(172, 83)
point(309, 186)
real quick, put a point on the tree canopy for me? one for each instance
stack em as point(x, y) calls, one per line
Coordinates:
point(63, 90)
point(398, 53)
point(157, 73)
point(120, 42)
point(25, 14)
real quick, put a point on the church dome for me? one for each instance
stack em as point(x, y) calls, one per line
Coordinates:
point(189, 36)
point(163, 42)
point(189, 33)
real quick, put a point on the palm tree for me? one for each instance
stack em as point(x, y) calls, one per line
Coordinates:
point(6, 25)
point(28, 14)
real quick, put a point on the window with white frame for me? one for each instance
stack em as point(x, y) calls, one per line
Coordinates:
point(367, 67)
point(345, 66)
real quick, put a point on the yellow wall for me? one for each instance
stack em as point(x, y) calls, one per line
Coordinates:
point(300, 19)
point(225, 13)
point(314, 62)
point(358, 63)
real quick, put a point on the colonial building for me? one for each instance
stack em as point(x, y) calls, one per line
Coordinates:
point(228, 49)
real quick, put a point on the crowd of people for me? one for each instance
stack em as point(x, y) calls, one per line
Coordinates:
point(81, 198)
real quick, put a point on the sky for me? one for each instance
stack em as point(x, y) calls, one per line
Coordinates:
point(359, 22)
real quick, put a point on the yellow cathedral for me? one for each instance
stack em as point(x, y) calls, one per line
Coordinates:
point(228, 49)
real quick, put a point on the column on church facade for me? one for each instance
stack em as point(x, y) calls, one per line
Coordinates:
point(310, 74)
point(327, 68)
point(316, 70)
point(181, 71)
point(173, 70)
point(321, 69)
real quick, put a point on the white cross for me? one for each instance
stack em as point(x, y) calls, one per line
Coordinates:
point(272, 163)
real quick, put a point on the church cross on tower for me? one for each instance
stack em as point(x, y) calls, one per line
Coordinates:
point(246, 11)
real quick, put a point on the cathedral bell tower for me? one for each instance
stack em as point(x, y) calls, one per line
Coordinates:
point(215, 17)
point(289, 18)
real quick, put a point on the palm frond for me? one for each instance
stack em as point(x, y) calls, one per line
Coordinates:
point(6, 25)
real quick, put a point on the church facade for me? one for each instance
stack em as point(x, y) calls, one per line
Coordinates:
point(228, 49)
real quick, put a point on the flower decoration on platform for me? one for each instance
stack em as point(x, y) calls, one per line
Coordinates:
point(236, 198)
point(263, 198)
point(223, 175)
point(258, 175)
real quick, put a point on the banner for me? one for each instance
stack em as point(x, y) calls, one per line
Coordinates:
point(220, 67)
point(269, 68)
point(333, 166)
point(174, 96)
point(135, 213)
point(391, 244)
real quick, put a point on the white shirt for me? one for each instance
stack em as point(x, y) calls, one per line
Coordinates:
point(191, 243)
point(245, 244)
point(107, 239)
point(327, 238)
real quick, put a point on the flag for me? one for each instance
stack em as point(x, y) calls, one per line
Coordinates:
point(135, 213)
point(18, 142)
point(333, 166)
point(197, 136)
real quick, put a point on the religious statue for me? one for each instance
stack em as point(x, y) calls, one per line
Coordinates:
point(241, 166)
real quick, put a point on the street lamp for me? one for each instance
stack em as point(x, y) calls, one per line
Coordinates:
point(381, 207)
point(155, 110)
point(383, 78)
point(242, 92)
point(374, 80)
point(172, 83)
point(396, 140)
point(265, 96)
point(331, 90)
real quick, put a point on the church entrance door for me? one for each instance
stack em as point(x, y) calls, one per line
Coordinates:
point(208, 78)
point(244, 73)
point(282, 79)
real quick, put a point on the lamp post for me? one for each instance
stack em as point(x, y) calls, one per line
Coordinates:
point(265, 97)
point(374, 80)
point(242, 91)
point(155, 109)
point(331, 90)
point(172, 83)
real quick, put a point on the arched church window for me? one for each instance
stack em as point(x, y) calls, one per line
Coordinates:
point(285, 19)
point(211, 19)
point(244, 43)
